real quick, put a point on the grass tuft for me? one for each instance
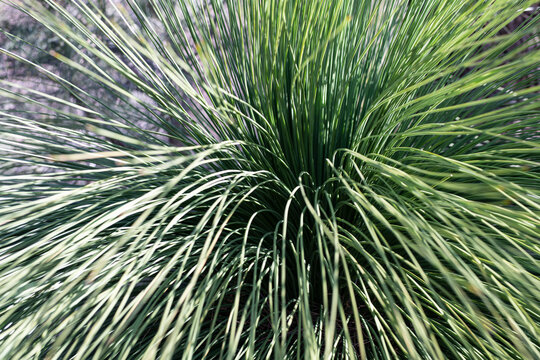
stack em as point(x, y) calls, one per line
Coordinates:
point(258, 179)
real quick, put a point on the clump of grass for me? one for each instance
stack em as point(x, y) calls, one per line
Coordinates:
point(348, 179)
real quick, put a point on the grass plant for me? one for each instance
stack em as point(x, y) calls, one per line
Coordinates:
point(315, 179)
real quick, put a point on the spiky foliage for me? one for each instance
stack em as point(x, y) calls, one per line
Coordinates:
point(301, 179)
